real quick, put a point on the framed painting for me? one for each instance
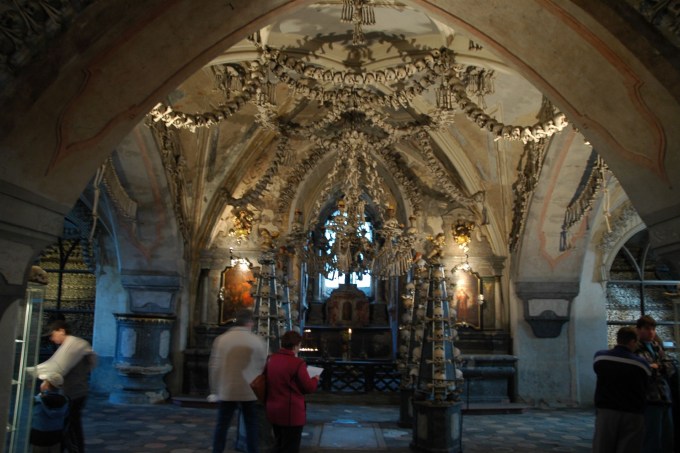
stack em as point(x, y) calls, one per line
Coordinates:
point(237, 280)
point(466, 297)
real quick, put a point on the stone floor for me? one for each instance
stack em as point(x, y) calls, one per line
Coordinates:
point(332, 427)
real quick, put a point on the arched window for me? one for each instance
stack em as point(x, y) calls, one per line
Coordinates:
point(640, 284)
point(363, 282)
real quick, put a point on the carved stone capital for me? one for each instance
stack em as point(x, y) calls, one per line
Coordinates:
point(547, 305)
point(498, 264)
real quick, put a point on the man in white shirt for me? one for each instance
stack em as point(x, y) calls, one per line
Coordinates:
point(237, 357)
point(73, 359)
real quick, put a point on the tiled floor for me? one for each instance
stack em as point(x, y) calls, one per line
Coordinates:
point(331, 427)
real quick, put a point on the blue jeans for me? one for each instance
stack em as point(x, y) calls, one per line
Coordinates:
point(225, 412)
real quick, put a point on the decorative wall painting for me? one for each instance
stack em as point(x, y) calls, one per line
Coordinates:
point(235, 294)
point(466, 297)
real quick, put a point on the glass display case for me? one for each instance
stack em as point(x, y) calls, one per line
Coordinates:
point(27, 347)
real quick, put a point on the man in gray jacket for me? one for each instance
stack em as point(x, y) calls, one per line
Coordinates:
point(73, 359)
point(237, 357)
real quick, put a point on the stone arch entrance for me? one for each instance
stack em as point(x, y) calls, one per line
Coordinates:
point(71, 105)
point(62, 119)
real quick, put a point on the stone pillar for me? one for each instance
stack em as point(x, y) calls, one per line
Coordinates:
point(142, 357)
point(9, 303)
point(204, 296)
point(502, 315)
point(29, 222)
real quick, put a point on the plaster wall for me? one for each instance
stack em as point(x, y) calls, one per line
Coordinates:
point(111, 298)
point(544, 369)
point(588, 327)
point(180, 334)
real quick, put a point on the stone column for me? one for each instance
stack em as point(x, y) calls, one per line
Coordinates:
point(10, 295)
point(29, 222)
point(502, 315)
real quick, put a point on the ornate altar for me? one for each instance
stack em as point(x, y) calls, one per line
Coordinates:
point(347, 306)
point(351, 328)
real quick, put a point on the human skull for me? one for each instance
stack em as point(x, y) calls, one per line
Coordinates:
point(438, 313)
point(38, 275)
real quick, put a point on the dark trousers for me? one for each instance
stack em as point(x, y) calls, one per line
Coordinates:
point(225, 413)
point(618, 432)
point(287, 438)
point(56, 448)
point(73, 440)
point(658, 429)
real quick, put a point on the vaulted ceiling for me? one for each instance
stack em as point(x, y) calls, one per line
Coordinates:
point(436, 124)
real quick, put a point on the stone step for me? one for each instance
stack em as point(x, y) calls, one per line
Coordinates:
point(469, 409)
point(493, 408)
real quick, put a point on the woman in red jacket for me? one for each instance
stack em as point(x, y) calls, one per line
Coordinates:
point(287, 383)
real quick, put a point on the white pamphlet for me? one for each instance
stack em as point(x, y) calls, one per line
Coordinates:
point(314, 371)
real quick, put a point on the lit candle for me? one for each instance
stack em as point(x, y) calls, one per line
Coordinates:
point(349, 331)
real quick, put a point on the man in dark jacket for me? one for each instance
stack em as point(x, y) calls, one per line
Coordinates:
point(622, 380)
point(658, 411)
